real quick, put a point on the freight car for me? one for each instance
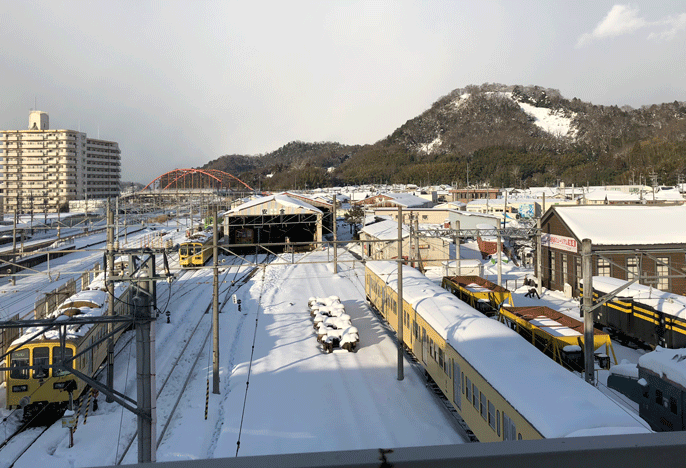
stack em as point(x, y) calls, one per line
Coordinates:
point(559, 336)
point(501, 386)
point(44, 389)
point(641, 313)
point(481, 294)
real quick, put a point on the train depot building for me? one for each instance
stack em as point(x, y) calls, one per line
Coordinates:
point(277, 222)
point(627, 241)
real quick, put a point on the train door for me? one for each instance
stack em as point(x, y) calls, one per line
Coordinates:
point(457, 390)
point(91, 355)
point(425, 346)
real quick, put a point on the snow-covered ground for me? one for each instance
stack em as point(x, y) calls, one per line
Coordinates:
point(279, 393)
point(299, 399)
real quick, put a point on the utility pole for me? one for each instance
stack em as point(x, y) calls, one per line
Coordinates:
point(335, 237)
point(500, 258)
point(505, 212)
point(116, 231)
point(14, 247)
point(145, 368)
point(457, 241)
point(539, 260)
point(400, 294)
point(587, 272)
point(110, 294)
point(215, 307)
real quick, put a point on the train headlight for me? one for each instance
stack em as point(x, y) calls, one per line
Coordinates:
point(20, 388)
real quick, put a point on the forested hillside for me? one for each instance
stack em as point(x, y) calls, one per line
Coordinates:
point(493, 133)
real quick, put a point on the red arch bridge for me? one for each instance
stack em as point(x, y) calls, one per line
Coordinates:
point(197, 179)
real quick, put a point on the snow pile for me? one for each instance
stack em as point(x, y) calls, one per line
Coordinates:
point(333, 325)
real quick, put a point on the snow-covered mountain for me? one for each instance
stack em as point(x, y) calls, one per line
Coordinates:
point(509, 135)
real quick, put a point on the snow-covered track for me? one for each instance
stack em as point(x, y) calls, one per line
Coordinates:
point(18, 443)
point(199, 337)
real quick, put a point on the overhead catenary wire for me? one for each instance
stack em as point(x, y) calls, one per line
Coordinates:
point(252, 354)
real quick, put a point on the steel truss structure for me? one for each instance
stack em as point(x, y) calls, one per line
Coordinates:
point(189, 179)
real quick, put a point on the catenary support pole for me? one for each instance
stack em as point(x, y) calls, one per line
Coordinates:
point(499, 258)
point(335, 238)
point(400, 294)
point(458, 241)
point(587, 272)
point(145, 371)
point(110, 290)
point(215, 307)
point(539, 259)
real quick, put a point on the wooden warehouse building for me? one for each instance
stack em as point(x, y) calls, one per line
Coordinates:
point(627, 241)
point(280, 220)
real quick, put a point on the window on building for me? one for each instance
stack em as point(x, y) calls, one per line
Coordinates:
point(603, 266)
point(565, 279)
point(475, 396)
point(482, 405)
point(553, 270)
point(662, 273)
point(468, 388)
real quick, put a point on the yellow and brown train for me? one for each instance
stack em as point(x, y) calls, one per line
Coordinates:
point(195, 249)
point(43, 389)
point(501, 386)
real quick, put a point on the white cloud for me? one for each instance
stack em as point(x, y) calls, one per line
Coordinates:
point(624, 19)
point(674, 24)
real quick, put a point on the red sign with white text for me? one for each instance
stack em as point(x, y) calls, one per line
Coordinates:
point(554, 241)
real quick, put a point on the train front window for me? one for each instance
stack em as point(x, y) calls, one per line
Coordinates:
point(183, 250)
point(41, 360)
point(57, 357)
point(19, 359)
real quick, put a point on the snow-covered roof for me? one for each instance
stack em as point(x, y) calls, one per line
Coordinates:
point(200, 236)
point(91, 302)
point(612, 196)
point(385, 230)
point(668, 363)
point(568, 407)
point(407, 199)
point(666, 302)
point(626, 224)
point(279, 198)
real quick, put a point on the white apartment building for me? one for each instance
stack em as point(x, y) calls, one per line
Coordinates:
point(42, 169)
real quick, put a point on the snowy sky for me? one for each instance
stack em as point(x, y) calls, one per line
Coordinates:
point(180, 83)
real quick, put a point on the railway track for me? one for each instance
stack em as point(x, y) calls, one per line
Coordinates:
point(196, 344)
point(21, 439)
point(17, 444)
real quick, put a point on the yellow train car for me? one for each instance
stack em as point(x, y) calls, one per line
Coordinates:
point(481, 294)
point(559, 336)
point(489, 374)
point(44, 389)
point(195, 249)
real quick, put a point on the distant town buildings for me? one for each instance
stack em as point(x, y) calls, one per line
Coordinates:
point(42, 169)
